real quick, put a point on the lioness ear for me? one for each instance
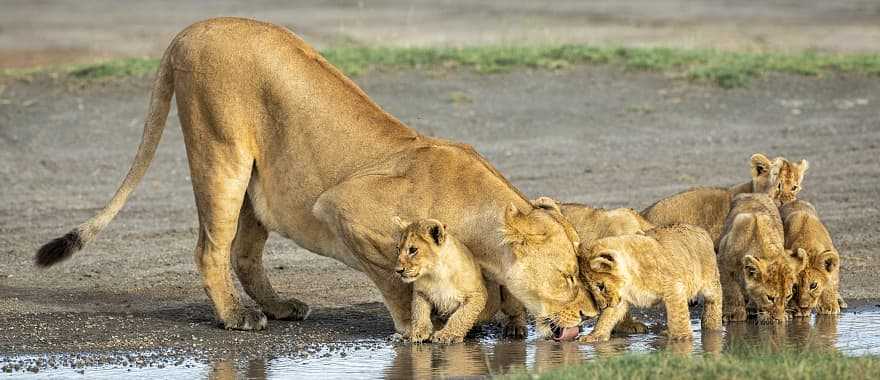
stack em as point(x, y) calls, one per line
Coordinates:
point(751, 267)
point(437, 231)
point(829, 261)
point(606, 261)
point(760, 165)
point(546, 203)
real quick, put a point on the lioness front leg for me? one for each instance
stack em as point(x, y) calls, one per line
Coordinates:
point(515, 324)
point(607, 320)
point(462, 320)
point(422, 327)
point(247, 253)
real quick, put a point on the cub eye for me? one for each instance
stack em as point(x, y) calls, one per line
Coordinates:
point(795, 188)
point(601, 286)
point(813, 286)
point(413, 251)
point(779, 186)
point(771, 299)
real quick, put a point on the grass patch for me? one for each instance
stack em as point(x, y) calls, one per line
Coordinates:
point(749, 366)
point(726, 69)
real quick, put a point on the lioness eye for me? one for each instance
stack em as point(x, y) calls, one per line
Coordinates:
point(413, 251)
point(813, 286)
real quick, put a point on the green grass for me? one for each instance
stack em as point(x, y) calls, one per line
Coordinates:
point(749, 366)
point(726, 69)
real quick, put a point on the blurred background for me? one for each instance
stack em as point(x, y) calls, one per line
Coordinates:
point(38, 32)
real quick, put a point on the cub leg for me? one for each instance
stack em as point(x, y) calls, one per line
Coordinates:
point(712, 308)
point(493, 301)
point(422, 327)
point(607, 320)
point(733, 301)
point(247, 253)
point(462, 320)
point(515, 325)
point(677, 315)
point(829, 302)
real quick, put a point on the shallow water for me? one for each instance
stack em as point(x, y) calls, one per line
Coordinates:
point(853, 333)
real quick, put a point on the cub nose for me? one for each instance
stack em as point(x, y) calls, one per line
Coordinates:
point(398, 270)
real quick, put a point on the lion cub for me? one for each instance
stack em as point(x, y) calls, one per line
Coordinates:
point(670, 264)
point(817, 285)
point(445, 279)
point(753, 262)
point(707, 207)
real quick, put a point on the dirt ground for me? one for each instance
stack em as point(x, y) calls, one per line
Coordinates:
point(58, 32)
point(589, 134)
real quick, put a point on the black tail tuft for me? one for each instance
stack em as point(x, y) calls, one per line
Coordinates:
point(58, 249)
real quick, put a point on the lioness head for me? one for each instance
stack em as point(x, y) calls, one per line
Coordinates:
point(769, 285)
point(542, 269)
point(813, 280)
point(778, 178)
point(419, 247)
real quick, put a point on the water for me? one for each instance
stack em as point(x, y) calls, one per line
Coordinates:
point(853, 333)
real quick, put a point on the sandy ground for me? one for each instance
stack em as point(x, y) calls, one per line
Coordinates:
point(56, 32)
point(588, 134)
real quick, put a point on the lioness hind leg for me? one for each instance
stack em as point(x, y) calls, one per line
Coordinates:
point(247, 253)
point(515, 324)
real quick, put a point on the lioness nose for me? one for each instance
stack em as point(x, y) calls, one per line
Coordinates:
point(398, 270)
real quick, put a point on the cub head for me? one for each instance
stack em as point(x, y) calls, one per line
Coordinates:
point(814, 279)
point(778, 178)
point(769, 285)
point(419, 247)
point(541, 269)
point(604, 278)
point(789, 178)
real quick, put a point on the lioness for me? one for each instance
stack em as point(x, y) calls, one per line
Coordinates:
point(280, 140)
point(592, 224)
point(707, 207)
point(445, 278)
point(818, 284)
point(752, 260)
point(669, 264)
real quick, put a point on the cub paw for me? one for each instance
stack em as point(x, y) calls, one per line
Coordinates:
point(833, 308)
point(444, 338)
point(291, 310)
point(246, 320)
point(592, 338)
point(420, 334)
point(631, 326)
point(841, 303)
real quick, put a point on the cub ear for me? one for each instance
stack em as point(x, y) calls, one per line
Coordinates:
point(829, 261)
point(760, 165)
point(436, 231)
point(546, 203)
point(605, 261)
point(399, 223)
point(797, 258)
point(803, 166)
point(752, 267)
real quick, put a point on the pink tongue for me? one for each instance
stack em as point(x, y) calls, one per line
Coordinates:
point(569, 333)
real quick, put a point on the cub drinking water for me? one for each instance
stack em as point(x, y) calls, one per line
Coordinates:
point(445, 279)
point(817, 285)
point(753, 262)
point(670, 264)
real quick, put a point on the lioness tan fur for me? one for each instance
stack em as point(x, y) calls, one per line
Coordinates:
point(707, 207)
point(818, 284)
point(592, 224)
point(280, 140)
point(445, 279)
point(752, 260)
point(669, 264)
